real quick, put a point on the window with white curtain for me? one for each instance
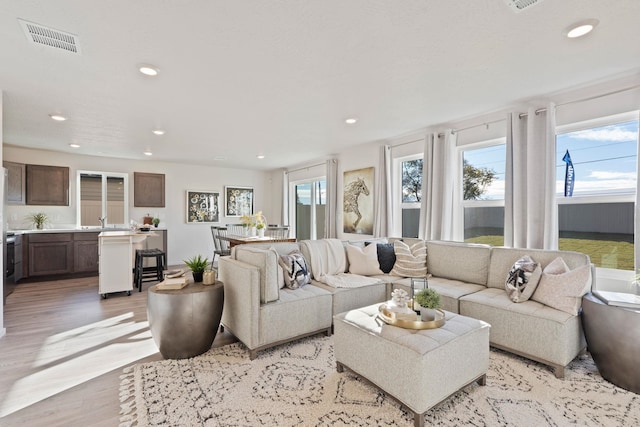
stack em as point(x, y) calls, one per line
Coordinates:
point(482, 167)
point(409, 191)
point(597, 218)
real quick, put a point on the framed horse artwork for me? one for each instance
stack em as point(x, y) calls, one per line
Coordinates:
point(358, 201)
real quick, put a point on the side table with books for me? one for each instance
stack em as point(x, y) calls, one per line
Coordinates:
point(613, 339)
point(184, 321)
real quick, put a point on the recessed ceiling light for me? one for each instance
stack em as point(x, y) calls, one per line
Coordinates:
point(158, 132)
point(260, 156)
point(58, 117)
point(219, 158)
point(72, 145)
point(351, 120)
point(148, 153)
point(148, 70)
point(581, 28)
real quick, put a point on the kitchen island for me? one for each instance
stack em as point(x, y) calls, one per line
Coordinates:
point(116, 251)
point(63, 253)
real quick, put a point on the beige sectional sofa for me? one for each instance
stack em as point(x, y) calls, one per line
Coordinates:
point(470, 278)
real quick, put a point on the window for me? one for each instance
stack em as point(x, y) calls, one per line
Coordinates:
point(597, 217)
point(310, 203)
point(411, 193)
point(483, 175)
point(102, 195)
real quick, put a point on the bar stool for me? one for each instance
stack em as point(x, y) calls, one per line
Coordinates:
point(148, 274)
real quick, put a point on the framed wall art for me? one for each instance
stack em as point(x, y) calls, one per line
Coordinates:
point(202, 206)
point(358, 201)
point(238, 201)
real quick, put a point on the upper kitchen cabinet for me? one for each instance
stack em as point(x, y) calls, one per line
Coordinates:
point(16, 185)
point(148, 190)
point(47, 185)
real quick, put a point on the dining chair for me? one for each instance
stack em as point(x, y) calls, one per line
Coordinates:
point(277, 232)
point(236, 229)
point(221, 246)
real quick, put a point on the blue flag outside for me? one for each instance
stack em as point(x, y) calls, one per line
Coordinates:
point(568, 175)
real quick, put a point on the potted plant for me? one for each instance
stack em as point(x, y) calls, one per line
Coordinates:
point(429, 300)
point(38, 220)
point(197, 265)
point(260, 228)
point(155, 221)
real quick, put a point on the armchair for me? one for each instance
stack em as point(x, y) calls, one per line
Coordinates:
point(258, 312)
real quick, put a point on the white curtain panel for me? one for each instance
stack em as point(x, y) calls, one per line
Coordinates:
point(438, 214)
point(285, 198)
point(383, 219)
point(531, 218)
point(636, 230)
point(330, 220)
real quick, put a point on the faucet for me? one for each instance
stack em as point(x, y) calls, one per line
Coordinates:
point(102, 220)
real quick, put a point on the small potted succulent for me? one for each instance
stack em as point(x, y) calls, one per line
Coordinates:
point(198, 264)
point(155, 221)
point(429, 300)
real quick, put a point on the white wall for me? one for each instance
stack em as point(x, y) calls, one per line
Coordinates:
point(2, 328)
point(184, 240)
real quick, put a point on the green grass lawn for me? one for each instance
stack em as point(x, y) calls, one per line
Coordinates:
point(605, 250)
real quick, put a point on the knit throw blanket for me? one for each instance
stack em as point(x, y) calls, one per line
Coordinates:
point(328, 263)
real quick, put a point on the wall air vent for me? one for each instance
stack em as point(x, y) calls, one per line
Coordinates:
point(520, 5)
point(39, 34)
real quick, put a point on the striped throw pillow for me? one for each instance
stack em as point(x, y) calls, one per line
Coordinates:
point(411, 261)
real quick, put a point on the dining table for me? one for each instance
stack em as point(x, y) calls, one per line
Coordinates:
point(235, 239)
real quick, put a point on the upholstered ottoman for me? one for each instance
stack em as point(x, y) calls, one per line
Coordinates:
point(419, 368)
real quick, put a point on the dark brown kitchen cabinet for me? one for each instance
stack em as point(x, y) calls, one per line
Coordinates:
point(148, 190)
point(19, 256)
point(85, 252)
point(16, 186)
point(50, 254)
point(47, 185)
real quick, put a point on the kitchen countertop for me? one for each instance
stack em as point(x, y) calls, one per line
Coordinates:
point(75, 230)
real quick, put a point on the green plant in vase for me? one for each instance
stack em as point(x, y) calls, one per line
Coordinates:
point(197, 264)
point(429, 300)
point(155, 221)
point(38, 220)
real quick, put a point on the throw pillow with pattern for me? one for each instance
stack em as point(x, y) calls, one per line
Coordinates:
point(522, 279)
point(411, 261)
point(296, 272)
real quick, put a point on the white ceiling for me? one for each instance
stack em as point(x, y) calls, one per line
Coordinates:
point(279, 77)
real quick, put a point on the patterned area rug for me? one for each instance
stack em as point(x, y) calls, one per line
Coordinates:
point(297, 385)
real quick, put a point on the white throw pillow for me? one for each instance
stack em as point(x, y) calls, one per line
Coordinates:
point(411, 261)
point(562, 288)
point(523, 279)
point(363, 260)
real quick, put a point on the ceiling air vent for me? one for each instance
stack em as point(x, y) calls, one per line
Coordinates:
point(39, 34)
point(520, 5)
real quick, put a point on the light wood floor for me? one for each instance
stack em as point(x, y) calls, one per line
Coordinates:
point(65, 349)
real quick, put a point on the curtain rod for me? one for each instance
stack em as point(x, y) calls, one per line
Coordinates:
point(306, 167)
point(602, 95)
point(440, 135)
point(406, 143)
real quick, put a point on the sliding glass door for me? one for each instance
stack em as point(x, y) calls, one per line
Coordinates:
point(309, 208)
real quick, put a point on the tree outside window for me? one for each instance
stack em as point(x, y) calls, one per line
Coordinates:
point(412, 181)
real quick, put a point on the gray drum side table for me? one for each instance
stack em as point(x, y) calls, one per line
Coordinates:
point(184, 322)
point(613, 339)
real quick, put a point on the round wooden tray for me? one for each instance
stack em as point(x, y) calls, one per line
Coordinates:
point(390, 318)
